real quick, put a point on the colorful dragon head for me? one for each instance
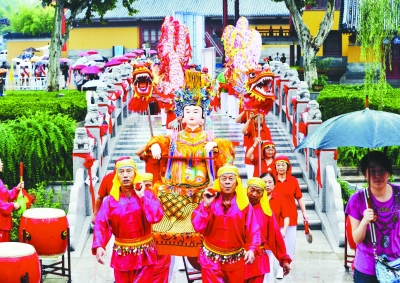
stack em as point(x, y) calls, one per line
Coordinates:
point(260, 90)
point(142, 80)
point(260, 84)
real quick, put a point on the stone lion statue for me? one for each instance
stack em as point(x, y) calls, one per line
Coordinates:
point(92, 117)
point(302, 91)
point(102, 95)
point(285, 68)
point(276, 67)
point(81, 141)
point(294, 80)
point(314, 114)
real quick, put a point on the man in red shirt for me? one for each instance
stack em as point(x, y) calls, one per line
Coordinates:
point(271, 237)
point(230, 230)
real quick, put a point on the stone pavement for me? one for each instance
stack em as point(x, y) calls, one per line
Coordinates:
point(313, 263)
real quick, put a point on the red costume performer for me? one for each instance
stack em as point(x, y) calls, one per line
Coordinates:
point(250, 132)
point(288, 187)
point(230, 230)
point(267, 159)
point(105, 188)
point(7, 198)
point(271, 237)
point(128, 213)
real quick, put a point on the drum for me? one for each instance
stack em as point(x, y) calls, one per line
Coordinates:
point(19, 262)
point(46, 230)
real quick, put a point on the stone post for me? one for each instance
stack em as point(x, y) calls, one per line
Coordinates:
point(327, 157)
point(282, 99)
point(277, 80)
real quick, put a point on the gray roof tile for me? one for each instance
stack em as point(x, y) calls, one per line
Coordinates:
point(162, 8)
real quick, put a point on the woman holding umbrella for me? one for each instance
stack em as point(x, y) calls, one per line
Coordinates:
point(288, 187)
point(384, 209)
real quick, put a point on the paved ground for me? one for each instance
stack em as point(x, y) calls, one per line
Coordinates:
point(313, 263)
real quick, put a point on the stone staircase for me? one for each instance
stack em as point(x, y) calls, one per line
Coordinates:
point(136, 133)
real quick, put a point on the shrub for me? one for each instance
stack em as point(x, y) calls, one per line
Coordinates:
point(346, 192)
point(17, 103)
point(335, 100)
point(43, 142)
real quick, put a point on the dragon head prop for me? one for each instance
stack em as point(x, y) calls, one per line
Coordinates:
point(260, 90)
point(260, 84)
point(142, 79)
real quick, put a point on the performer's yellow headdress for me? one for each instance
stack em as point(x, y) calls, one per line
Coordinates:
point(241, 196)
point(259, 183)
point(116, 184)
point(147, 177)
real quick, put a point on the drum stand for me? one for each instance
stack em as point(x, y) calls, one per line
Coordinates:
point(57, 268)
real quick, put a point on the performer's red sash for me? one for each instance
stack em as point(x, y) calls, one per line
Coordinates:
point(26, 73)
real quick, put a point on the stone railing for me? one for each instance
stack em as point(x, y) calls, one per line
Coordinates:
point(93, 143)
point(298, 112)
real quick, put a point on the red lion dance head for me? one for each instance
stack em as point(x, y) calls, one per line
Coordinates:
point(260, 90)
point(143, 87)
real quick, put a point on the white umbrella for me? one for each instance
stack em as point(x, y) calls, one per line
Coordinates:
point(99, 64)
point(94, 83)
point(81, 60)
point(42, 62)
point(35, 58)
point(45, 49)
point(24, 63)
point(16, 60)
point(90, 63)
point(95, 57)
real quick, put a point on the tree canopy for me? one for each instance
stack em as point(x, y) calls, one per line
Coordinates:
point(378, 23)
point(74, 8)
point(31, 20)
point(310, 44)
point(5, 9)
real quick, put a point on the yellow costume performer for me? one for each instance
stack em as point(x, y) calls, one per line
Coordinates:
point(188, 162)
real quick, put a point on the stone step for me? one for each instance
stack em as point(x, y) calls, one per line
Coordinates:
point(308, 201)
point(313, 220)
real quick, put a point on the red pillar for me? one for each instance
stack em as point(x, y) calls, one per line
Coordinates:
point(224, 13)
point(291, 55)
point(236, 11)
point(224, 21)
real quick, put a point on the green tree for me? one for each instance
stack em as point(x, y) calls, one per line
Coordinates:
point(310, 45)
point(5, 9)
point(32, 20)
point(74, 8)
point(378, 22)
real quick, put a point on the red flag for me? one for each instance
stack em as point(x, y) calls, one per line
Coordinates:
point(63, 29)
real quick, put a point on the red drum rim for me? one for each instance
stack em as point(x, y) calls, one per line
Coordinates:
point(44, 213)
point(15, 249)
